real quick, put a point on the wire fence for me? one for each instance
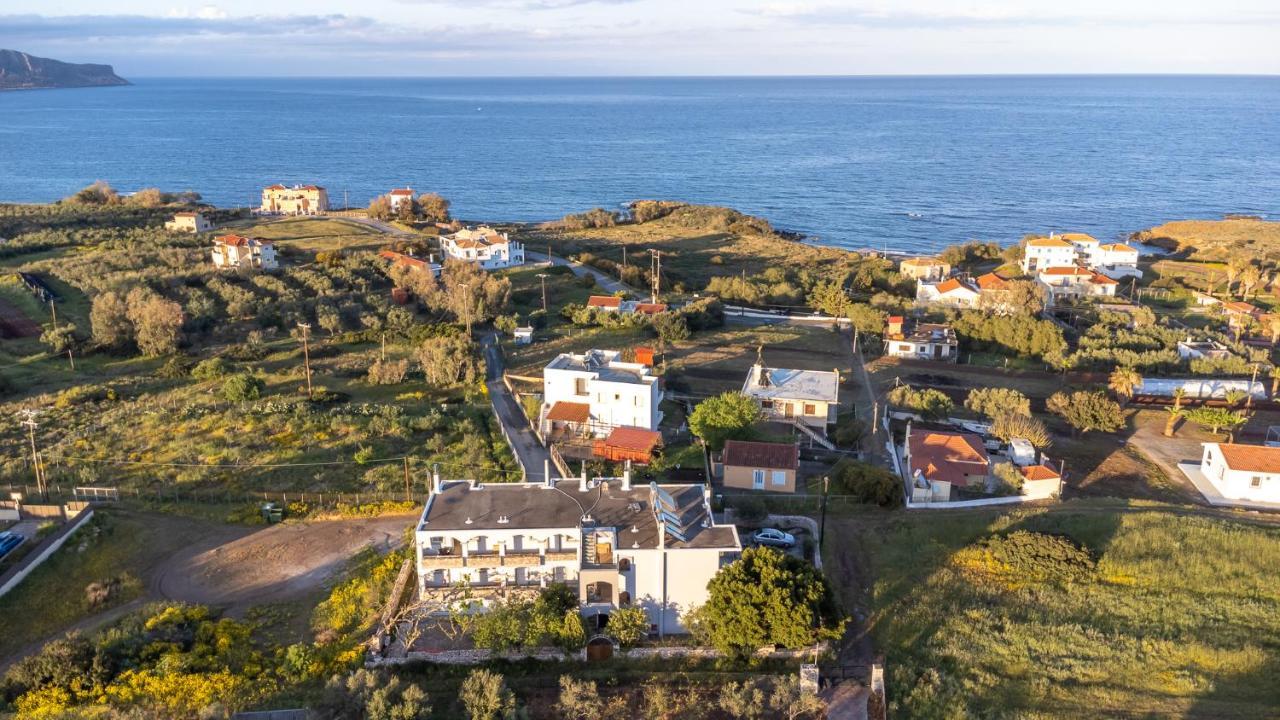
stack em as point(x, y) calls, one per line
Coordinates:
point(67, 493)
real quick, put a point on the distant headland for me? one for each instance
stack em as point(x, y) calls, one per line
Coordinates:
point(20, 71)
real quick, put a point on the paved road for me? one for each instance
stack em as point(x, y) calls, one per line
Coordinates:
point(533, 457)
point(605, 282)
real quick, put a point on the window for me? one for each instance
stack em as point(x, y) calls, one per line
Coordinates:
point(779, 477)
point(1255, 481)
point(810, 409)
point(580, 386)
point(624, 564)
point(617, 397)
point(624, 598)
point(757, 479)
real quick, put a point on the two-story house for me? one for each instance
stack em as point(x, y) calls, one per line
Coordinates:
point(484, 246)
point(650, 546)
point(237, 251)
point(593, 393)
point(189, 221)
point(924, 269)
point(296, 200)
point(952, 292)
point(906, 338)
point(1047, 252)
point(1064, 283)
point(398, 197)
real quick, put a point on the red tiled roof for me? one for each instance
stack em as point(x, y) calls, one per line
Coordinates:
point(991, 281)
point(277, 186)
point(186, 214)
point(1048, 242)
point(1251, 458)
point(1117, 247)
point(632, 438)
point(951, 285)
point(1073, 271)
point(401, 192)
point(947, 456)
point(570, 412)
point(406, 260)
point(1240, 307)
point(777, 456)
point(1100, 279)
point(651, 308)
point(607, 301)
point(922, 262)
point(238, 240)
point(1040, 472)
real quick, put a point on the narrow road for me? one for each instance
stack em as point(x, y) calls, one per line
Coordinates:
point(866, 412)
point(530, 453)
point(381, 227)
point(606, 282)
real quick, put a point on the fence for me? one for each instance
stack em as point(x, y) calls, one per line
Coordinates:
point(216, 496)
point(16, 574)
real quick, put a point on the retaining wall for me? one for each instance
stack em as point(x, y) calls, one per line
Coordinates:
point(19, 572)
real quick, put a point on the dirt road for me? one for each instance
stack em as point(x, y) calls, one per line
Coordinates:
point(275, 564)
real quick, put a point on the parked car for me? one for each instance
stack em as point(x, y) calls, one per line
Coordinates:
point(774, 537)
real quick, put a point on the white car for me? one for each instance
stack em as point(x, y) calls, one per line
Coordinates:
point(774, 537)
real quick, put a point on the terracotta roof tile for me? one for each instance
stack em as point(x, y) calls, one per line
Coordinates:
point(651, 308)
point(991, 281)
point(570, 412)
point(637, 439)
point(1251, 458)
point(605, 301)
point(1117, 247)
point(1040, 472)
point(1048, 242)
point(947, 456)
point(779, 456)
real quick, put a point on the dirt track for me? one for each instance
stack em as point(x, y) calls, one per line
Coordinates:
point(275, 564)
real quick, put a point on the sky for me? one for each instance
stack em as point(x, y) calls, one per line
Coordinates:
point(649, 37)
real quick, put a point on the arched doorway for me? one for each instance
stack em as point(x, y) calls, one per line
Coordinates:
point(599, 647)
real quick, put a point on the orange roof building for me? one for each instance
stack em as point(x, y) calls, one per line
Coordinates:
point(1240, 474)
point(952, 457)
point(628, 443)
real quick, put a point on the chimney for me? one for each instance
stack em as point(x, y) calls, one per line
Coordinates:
point(626, 477)
point(435, 479)
point(582, 479)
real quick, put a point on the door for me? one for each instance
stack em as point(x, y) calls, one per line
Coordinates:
point(757, 480)
point(787, 411)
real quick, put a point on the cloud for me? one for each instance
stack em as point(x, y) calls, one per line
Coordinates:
point(519, 4)
point(897, 15)
point(15, 28)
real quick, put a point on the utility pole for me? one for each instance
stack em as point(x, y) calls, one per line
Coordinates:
point(822, 526)
point(543, 278)
point(30, 422)
point(466, 308)
point(656, 267)
point(306, 354)
point(383, 356)
point(407, 498)
point(1248, 398)
point(346, 205)
point(53, 308)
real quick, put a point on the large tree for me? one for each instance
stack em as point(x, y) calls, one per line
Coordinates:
point(1010, 424)
point(728, 416)
point(434, 207)
point(157, 323)
point(109, 319)
point(448, 360)
point(993, 401)
point(1124, 382)
point(766, 597)
point(1087, 410)
point(1214, 419)
point(486, 696)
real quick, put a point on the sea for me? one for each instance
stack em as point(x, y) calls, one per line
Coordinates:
point(893, 163)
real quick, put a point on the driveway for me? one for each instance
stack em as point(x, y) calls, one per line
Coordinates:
point(532, 456)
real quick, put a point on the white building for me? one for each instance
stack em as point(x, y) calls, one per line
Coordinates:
point(491, 249)
point(653, 546)
point(920, 341)
point(1050, 252)
point(595, 392)
point(1115, 260)
point(1190, 349)
point(399, 196)
point(237, 251)
point(1065, 283)
point(805, 397)
point(189, 221)
point(1243, 472)
point(951, 293)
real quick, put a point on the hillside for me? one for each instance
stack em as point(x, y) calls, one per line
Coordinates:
point(20, 71)
point(1216, 240)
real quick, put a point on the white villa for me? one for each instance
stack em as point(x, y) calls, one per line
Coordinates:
point(491, 249)
point(595, 392)
point(1114, 260)
point(1050, 252)
point(237, 251)
point(399, 196)
point(953, 292)
point(653, 546)
point(1243, 472)
point(803, 397)
point(1075, 282)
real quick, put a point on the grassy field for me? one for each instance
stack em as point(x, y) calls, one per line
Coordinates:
point(1218, 240)
point(312, 234)
point(1174, 616)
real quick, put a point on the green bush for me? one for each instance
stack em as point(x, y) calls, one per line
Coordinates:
point(211, 369)
point(242, 387)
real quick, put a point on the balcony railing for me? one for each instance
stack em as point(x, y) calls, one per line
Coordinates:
point(562, 555)
point(522, 559)
point(442, 561)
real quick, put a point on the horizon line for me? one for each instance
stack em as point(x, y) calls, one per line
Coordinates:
point(780, 76)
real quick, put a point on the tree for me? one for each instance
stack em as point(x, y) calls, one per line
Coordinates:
point(59, 338)
point(486, 696)
point(930, 403)
point(380, 208)
point(157, 323)
point(407, 211)
point(368, 695)
point(448, 360)
point(242, 386)
point(670, 328)
point(1124, 382)
point(1214, 419)
point(1235, 398)
point(1250, 277)
point(829, 298)
point(210, 369)
point(579, 699)
point(1087, 410)
point(991, 402)
point(109, 320)
point(571, 635)
point(868, 483)
point(866, 318)
point(434, 208)
point(1008, 425)
point(1017, 297)
point(628, 625)
point(766, 598)
point(792, 703)
point(744, 700)
point(1010, 477)
point(727, 416)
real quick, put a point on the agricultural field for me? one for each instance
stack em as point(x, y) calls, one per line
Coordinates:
point(310, 234)
point(1083, 610)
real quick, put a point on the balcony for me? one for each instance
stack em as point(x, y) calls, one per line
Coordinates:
point(522, 559)
point(432, 562)
point(562, 555)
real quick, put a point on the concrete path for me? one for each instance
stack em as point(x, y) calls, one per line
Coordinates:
point(605, 282)
point(533, 457)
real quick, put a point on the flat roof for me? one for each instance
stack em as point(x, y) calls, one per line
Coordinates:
point(535, 506)
point(605, 365)
point(789, 384)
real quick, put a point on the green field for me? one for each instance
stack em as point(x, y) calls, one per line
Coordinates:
point(1178, 616)
point(312, 234)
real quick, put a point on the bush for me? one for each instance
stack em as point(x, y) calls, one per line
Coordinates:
point(242, 387)
point(929, 403)
point(750, 510)
point(868, 483)
point(993, 401)
point(1023, 557)
point(211, 369)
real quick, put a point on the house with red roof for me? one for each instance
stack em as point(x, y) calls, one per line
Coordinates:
point(399, 196)
point(1069, 283)
point(952, 292)
point(937, 460)
point(768, 466)
point(410, 262)
point(483, 246)
point(237, 251)
point(611, 303)
point(1244, 473)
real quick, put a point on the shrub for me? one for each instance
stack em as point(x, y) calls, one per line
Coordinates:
point(1084, 410)
point(242, 387)
point(211, 369)
point(929, 403)
point(1023, 558)
point(868, 483)
point(995, 400)
point(486, 696)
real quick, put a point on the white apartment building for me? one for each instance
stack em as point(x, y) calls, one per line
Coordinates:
point(1064, 283)
point(483, 245)
point(1243, 472)
point(1050, 252)
point(297, 200)
point(237, 251)
point(595, 392)
point(1115, 260)
point(652, 546)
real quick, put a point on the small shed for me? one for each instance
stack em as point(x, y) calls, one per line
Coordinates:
point(628, 443)
point(644, 356)
point(523, 335)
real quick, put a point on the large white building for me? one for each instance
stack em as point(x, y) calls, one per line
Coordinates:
point(237, 251)
point(1243, 472)
point(952, 292)
point(1115, 260)
point(1065, 283)
point(1041, 253)
point(652, 546)
point(595, 392)
point(490, 249)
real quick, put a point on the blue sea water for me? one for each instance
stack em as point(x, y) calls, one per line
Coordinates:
point(902, 163)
